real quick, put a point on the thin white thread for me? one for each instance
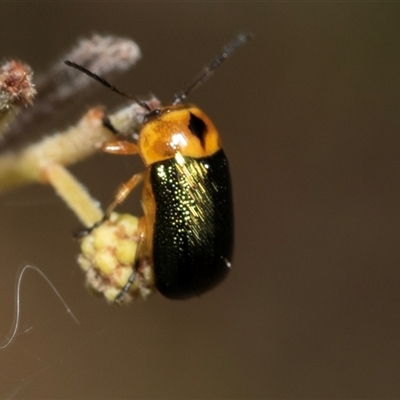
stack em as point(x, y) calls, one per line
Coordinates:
point(16, 320)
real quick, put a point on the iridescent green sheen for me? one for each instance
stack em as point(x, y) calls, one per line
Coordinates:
point(193, 232)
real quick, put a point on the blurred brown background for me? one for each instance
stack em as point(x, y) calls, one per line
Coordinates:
point(308, 114)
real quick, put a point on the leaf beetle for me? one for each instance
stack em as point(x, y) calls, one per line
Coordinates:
point(187, 231)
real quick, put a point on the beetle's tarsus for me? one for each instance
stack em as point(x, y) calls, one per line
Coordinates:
point(86, 231)
point(108, 124)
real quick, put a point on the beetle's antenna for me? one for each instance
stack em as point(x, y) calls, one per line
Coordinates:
point(209, 70)
point(107, 84)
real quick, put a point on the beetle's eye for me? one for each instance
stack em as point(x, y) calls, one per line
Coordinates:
point(151, 114)
point(198, 127)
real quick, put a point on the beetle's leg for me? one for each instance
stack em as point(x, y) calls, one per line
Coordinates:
point(117, 146)
point(135, 273)
point(121, 195)
point(122, 147)
point(123, 192)
point(81, 233)
point(108, 124)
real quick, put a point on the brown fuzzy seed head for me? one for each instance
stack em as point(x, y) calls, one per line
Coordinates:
point(16, 85)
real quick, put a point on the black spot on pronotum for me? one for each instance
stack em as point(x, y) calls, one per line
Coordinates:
point(198, 127)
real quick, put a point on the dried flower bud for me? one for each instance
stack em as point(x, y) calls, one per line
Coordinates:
point(16, 91)
point(63, 92)
point(108, 255)
point(16, 87)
